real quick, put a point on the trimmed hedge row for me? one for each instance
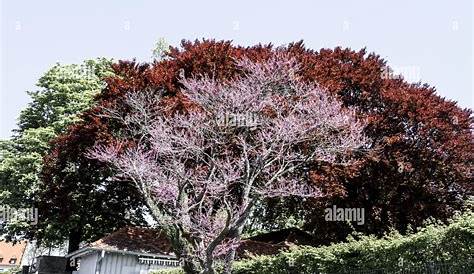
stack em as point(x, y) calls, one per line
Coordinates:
point(453, 243)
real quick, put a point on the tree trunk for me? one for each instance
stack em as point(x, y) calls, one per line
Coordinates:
point(209, 269)
point(74, 240)
point(230, 257)
point(190, 267)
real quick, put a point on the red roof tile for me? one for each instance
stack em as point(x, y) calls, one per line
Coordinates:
point(135, 239)
point(9, 251)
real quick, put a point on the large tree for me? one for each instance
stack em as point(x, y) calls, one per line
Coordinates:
point(423, 149)
point(63, 92)
point(245, 140)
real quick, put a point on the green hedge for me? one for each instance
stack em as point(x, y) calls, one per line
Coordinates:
point(169, 271)
point(453, 243)
point(14, 270)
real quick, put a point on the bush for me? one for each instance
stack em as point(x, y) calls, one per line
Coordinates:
point(453, 243)
point(169, 271)
point(15, 270)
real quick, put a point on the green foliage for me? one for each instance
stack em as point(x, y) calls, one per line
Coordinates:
point(20, 164)
point(453, 243)
point(434, 243)
point(64, 92)
point(161, 49)
point(15, 270)
point(169, 271)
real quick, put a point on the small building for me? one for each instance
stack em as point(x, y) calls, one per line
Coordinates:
point(131, 250)
point(11, 255)
point(134, 250)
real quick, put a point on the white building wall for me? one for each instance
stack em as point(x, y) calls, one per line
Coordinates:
point(87, 264)
point(113, 263)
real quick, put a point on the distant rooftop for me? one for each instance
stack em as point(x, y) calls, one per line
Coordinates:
point(11, 254)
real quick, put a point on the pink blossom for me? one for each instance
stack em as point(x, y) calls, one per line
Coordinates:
point(203, 176)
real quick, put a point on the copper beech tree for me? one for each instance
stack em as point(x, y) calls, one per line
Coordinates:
point(201, 171)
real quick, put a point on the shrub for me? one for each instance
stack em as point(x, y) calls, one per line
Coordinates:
point(15, 270)
point(434, 243)
point(169, 271)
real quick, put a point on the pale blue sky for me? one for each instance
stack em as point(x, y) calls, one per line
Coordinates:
point(431, 41)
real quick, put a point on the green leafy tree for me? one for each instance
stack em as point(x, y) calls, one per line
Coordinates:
point(64, 91)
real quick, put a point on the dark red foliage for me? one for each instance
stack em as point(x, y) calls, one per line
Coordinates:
point(423, 150)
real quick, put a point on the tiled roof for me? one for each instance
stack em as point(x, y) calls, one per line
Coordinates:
point(10, 252)
point(146, 241)
point(135, 239)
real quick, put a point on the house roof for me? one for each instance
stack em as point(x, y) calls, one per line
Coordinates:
point(9, 251)
point(153, 242)
point(135, 239)
point(130, 240)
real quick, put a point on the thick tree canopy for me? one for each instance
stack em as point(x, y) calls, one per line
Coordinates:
point(422, 164)
point(65, 91)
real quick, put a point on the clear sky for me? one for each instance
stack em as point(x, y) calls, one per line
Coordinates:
point(430, 41)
